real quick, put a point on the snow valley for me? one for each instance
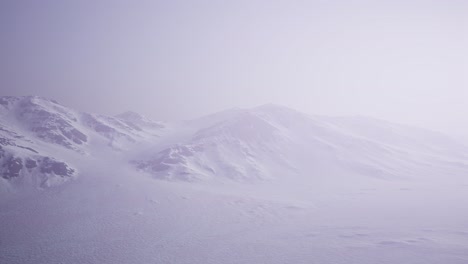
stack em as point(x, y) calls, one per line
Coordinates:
point(261, 185)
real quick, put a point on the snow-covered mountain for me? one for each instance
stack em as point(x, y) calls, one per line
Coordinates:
point(273, 142)
point(42, 139)
point(260, 185)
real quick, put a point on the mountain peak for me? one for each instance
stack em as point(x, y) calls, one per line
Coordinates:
point(272, 106)
point(274, 109)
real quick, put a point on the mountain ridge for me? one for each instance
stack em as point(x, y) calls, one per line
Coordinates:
point(265, 143)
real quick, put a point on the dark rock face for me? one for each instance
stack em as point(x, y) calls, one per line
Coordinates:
point(108, 127)
point(5, 101)
point(5, 141)
point(13, 168)
point(55, 127)
point(30, 164)
point(51, 166)
point(55, 130)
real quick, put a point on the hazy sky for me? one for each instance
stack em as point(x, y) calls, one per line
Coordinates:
point(405, 61)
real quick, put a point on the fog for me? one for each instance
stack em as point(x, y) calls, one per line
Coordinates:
point(82, 183)
point(403, 61)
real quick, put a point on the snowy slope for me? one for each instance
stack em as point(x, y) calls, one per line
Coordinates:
point(260, 185)
point(40, 138)
point(273, 142)
point(111, 214)
point(268, 143)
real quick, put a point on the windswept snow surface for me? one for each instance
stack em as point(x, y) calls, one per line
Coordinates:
point(262, 185)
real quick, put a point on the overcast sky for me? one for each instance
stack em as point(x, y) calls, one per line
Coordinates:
point(404, 61)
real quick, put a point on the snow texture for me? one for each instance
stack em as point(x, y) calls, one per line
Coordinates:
point(260, 185)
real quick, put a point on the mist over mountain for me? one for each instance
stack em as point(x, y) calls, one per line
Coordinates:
point(146, 138)
point(81, 187)
point(41, 139)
